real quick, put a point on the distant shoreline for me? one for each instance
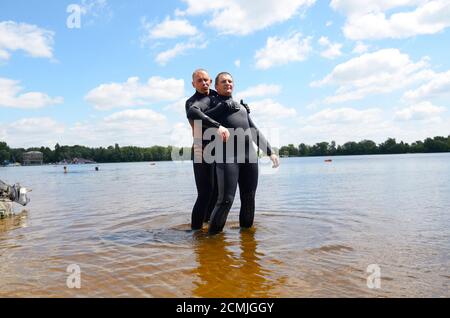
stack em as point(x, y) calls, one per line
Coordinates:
point(116, 154)
point(188, 160)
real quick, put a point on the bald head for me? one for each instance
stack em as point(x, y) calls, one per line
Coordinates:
point(199, 70)
point(201, 81)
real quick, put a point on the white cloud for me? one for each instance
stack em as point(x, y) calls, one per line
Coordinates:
point(344, 116)
point(33, 132)
point(36, 125)
point(29, 38)
point(270, 118)
point(169, 29)
point(421, 111)
point(203, 6)
point(131, 127)
point(368, 19)
point(180, 48)
point(360, 48)
point(237, 63)
point(351, 124)
point(94, 10)
point(332, 50)
point(133, 93)
point(383, 71)
point(135, 115)
point(439, 85)
point(260, 90)
point(180, 135)
point(179, 107)
point(281, 51)
point(2, 132)
point(242, 17)
point(268, 110)
point(4, 55)
point(10, 96)
point(341, 125)
point(352, 7)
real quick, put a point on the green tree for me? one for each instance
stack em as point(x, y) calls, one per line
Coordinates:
point(367, 147)
point(304, 150)
point(4, 152)
point(320, 149)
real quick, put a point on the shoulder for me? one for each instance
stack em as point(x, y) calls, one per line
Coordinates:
point(192, 99)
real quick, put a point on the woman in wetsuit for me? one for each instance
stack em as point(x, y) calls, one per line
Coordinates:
point(239, 164)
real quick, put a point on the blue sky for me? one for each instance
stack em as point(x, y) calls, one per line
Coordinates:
point(99, 72)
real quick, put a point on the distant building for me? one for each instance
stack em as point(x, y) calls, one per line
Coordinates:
point(33, 158)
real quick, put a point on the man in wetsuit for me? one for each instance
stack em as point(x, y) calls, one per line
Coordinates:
point(204, 173)
point(237, 166)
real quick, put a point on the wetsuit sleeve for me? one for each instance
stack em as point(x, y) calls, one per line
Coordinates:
point(216, 111)
point(259, 138)
point(195, 113)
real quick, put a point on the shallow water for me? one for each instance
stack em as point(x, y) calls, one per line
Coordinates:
point(318, 226)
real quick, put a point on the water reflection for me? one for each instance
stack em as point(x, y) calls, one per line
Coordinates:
point(13, 222)
point(224, 273)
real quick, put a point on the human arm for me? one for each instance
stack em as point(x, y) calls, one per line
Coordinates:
point(195, 112)
point(262, 143)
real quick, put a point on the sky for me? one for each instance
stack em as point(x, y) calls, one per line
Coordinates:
point(100, 72)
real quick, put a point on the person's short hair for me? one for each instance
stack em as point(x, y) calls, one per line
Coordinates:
point(219, 75)
point(198, 71)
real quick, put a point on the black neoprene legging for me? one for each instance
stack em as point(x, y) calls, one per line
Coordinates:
point(229, 175)
point(205, 182)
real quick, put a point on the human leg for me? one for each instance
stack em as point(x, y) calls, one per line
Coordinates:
point(248, 182)
point(227, 179)
point(203, 174)
point(213, 194)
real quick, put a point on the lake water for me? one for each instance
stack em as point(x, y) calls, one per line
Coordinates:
point(321, 230)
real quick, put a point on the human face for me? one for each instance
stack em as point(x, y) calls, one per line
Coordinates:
point(201, 82)
point(225, 85)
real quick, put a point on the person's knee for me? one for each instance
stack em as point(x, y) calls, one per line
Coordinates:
point(225, 201)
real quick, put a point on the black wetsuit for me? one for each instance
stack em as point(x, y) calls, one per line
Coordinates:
point(234, 167)
point(204, 173)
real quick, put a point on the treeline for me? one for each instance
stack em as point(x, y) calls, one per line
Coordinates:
point(159, 153)
point(367, 147)
point(100, 155)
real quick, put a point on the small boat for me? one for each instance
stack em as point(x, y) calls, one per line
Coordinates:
point(328, 160)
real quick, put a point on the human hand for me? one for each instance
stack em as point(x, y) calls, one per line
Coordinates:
point(223, 133)
point(275, 160)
